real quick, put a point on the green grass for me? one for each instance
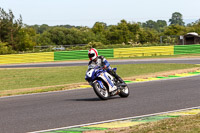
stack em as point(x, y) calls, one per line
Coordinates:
point(142, 69)
point(38, 77)
point(183, 124)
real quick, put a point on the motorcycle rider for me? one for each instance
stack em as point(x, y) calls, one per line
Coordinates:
point(102, 62)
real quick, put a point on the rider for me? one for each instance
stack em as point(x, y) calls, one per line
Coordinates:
point(102, 62)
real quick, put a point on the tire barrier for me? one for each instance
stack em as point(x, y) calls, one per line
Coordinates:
point(186, 49)
point(108, 53)
point(144, 51)
point(80, 54)
point(27, 58)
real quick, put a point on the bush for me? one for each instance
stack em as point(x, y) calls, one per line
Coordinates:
point(5, 49)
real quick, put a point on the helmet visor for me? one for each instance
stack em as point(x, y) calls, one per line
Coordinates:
point(90, 55)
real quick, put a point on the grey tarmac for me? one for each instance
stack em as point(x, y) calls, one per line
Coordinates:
point(36, 112)
point(112, 62)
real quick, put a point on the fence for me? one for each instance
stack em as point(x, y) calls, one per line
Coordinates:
point(108, 53)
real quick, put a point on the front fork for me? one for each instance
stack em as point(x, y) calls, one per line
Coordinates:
point(100, 83)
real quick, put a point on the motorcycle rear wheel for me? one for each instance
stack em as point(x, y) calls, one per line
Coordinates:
point(102, 93)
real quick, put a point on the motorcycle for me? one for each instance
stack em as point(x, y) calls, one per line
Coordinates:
point(104, 84)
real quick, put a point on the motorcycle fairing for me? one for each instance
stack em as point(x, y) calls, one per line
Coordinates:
point(106, 78)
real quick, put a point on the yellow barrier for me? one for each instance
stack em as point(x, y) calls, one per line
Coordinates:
point(144, 51)
point(26, 58)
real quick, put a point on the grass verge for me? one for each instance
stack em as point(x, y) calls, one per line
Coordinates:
point(33, 80)
point(182, 124)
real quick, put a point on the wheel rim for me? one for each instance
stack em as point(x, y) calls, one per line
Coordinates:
point(103, 91)
point(125, 90)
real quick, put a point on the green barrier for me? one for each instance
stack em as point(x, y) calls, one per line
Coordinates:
point(80, 54)
point(186, 49)
point(70, 55)
point(107, 53)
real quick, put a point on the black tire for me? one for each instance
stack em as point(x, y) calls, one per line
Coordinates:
point(124, 92)
point(103, 94)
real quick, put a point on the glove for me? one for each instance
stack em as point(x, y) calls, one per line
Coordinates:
point(104, 67)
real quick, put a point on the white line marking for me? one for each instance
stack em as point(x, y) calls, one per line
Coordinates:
point(115, 120)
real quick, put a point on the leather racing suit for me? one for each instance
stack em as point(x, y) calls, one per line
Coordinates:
point(102, 62)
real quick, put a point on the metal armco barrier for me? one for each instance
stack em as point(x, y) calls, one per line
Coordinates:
point(108, 53)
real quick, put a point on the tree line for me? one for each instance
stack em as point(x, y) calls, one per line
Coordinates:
point(17, 37)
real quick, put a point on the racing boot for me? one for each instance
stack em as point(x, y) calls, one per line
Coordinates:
point(122, 83)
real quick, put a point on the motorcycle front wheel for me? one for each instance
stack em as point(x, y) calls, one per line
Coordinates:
point(102, 93)
point(124, 92)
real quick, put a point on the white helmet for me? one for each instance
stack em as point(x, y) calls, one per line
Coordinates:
point(92, 54)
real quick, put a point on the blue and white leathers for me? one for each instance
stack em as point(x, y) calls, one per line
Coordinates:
point(101, 62)
point(96, 74)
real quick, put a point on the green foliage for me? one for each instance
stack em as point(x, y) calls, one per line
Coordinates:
point(98, 45)
point(99, 27)
point(159, 25)
point(175, 30)
point(5, 49)
point(25, 38)
point(9, 27)
point(124, 32)
point(177, 19)
point(148, 36)
point(39, 28)
point(194, 27)
point(13, 33)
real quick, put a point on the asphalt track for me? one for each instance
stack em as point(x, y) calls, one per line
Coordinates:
point(67, 108)
point(112, 62)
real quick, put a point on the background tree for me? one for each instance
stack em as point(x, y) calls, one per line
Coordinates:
point(134, 29)
point(26, 39)
point(150, 24)
point(161, 24)
point(156, 25)
point(195, 27)
point(15, 36)
point(175, 30)
point(99, 29)
point(9, 27)
point(147, 36)
point(177, 19)
point(5, 49)
point(123, 31)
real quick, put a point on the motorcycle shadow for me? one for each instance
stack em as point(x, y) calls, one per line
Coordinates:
point(92, 99)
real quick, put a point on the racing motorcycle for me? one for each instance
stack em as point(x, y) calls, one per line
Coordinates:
point(104, 84)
